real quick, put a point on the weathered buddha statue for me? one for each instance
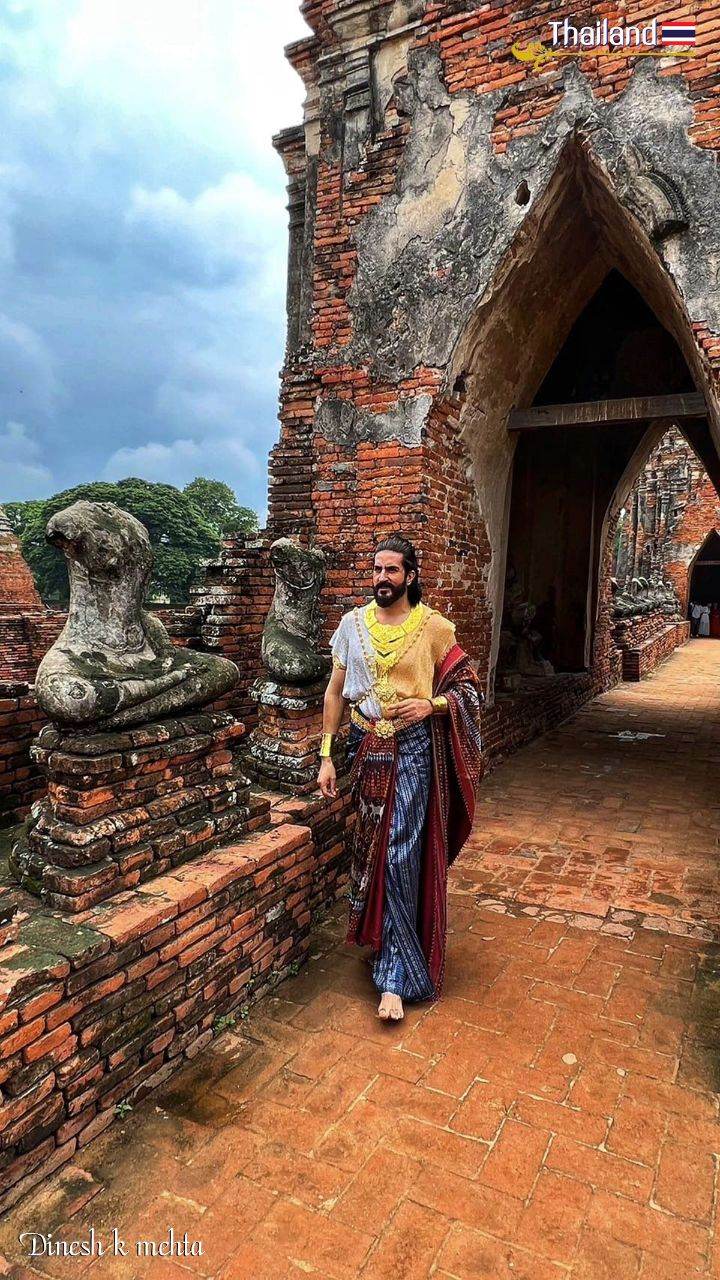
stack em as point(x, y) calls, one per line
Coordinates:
point(638, 593)
point(292, 630)
point(521, 643)
point(663, 595)
point(672, 600)
point(114, 664)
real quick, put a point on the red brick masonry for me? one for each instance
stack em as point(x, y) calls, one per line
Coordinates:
point(124, 806)
point(103, 1007)
point(20, 779)
point(642, 659)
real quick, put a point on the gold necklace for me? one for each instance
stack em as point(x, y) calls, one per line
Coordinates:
point(390, 632)
point(382, 664)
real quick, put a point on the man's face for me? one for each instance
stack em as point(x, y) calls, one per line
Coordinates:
point(390, 580)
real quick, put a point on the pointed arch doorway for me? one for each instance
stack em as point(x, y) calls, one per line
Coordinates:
point(578, 357)
point(705, 572)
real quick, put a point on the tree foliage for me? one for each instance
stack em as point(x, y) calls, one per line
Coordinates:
point(218, 504)
point(185, 527)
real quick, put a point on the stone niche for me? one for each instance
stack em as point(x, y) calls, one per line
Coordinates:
point(139, 777)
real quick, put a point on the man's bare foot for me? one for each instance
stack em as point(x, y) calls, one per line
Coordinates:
point(390, 1008)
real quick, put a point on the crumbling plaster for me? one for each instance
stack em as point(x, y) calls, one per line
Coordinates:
point(478, 263)
point(428, 253)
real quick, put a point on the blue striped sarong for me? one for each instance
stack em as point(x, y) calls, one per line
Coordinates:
point(400, 967)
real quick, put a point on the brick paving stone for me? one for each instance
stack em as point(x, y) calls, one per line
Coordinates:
point(483, 1110)
point(686, 1181)
point(554, 1215)
point(415, 1101)
point(375, 1191)
point(654, 1268)
point(561, 1119)
point(599, 1257)
point(409, 1244)
point(308, 1239)
point(449, 1151)
point(323, 1050)
point(258, 1262)
point(351, 1140)
point(601, 1169)
point(281, 1169)
point(471, 1254)
point(596, 1090)
point(468, 1201)
point(335, 1092)
point(515, 1160)
point(648, 1228)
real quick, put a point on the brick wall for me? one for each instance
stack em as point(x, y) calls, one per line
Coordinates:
point(234, 601)
point(698, 518)
point(628, 633)
point(430, 221)
point(94, 1014)
point(642, 659)
point(20, 779)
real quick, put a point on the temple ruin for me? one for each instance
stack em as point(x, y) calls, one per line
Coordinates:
point(503, 339)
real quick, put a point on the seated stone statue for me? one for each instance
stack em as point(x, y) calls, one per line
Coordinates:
point(114, 664)
point(521, 643)
point(656, 591)
point(291, 631)
point(638, 591)
point(621, 604)
point(672, 597)
point(667, 599)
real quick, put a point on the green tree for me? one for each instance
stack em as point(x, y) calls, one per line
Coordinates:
point(183, 538)
point(218, 504)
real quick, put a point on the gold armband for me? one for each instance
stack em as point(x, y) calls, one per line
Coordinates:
point(439, 704)
point(326, 746)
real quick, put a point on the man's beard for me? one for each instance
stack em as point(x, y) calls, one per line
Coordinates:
point(387, 594)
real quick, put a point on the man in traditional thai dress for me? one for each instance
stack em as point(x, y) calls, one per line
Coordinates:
point(414, 748)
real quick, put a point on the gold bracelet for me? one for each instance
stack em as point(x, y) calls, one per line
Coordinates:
point(439, 704)
point(326, 746)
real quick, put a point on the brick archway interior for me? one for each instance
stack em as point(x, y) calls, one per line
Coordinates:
point(579, 260)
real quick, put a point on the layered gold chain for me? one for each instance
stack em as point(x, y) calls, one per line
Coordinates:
point(385, 635)
point(390, 641)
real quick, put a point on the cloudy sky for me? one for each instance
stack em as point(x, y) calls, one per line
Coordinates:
point(142, 239)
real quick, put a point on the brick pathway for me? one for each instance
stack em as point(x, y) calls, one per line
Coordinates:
point(591, 820)
point(552, 1118)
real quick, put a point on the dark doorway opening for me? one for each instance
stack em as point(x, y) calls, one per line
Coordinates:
point(705, 576)
point(564, 479)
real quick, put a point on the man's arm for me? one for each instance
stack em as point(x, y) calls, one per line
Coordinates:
point(333, 710)
point(334, 704)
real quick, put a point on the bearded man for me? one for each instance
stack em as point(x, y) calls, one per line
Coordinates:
point(414, 747)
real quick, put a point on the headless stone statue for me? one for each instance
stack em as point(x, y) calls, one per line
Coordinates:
point(114, 664)
point(520, 642)
point(623, 605)
point(290, 634)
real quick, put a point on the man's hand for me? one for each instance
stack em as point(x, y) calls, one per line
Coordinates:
point(327, 779)
point(409, 711)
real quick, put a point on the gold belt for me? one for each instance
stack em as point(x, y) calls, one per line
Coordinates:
point(383, 728)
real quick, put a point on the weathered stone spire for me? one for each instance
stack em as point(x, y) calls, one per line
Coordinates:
point(18, 592)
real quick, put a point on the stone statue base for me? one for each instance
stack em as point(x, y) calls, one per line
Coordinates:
point(283, 750)
point(125, 806)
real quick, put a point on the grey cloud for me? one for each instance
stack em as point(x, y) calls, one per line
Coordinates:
point(142, 280)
